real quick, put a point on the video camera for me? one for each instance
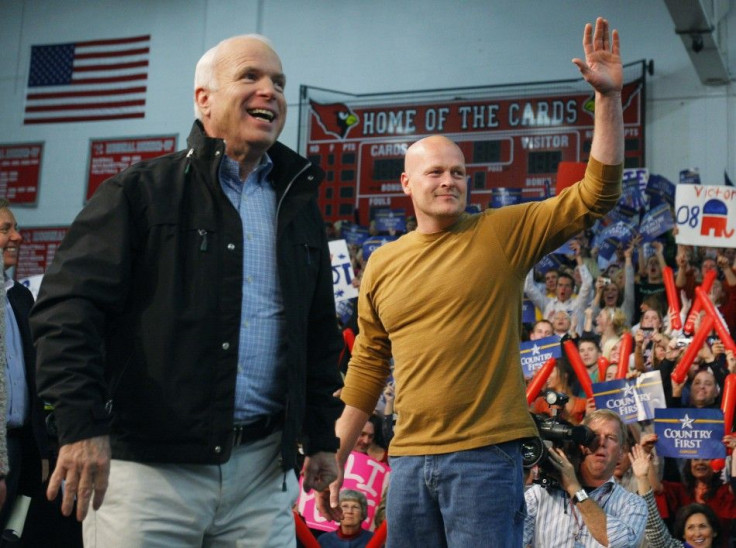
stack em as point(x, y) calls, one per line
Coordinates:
point(558, 433)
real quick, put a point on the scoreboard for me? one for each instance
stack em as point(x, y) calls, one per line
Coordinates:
point(513, 139)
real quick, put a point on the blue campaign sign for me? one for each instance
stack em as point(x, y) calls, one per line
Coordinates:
point(355, 234)
point(689, 433)
point(505, 196)
point(528, 314)
point(388, 220)
point(633, 400)
point(660, 189)
point(656, 222)
point(612, 236)
point(534, 354)
point(369, 246)
point(690, 176)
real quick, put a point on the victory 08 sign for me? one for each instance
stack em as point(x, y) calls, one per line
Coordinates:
point(705, 215)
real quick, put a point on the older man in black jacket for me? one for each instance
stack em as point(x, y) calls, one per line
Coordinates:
point(186, 328)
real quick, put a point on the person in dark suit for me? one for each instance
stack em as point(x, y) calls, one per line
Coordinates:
point(27, 437)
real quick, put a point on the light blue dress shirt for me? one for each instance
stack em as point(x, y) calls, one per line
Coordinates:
point(15, 372)
point(260, 386)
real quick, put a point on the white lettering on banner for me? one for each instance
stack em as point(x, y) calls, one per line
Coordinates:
point(545, 141)
point(435, 118)
point(391, 149)
point(544, 116)
point(687, 434)
point(391, 122)
point(379, 201)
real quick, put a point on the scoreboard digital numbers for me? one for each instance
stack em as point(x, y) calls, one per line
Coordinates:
point(513, 140)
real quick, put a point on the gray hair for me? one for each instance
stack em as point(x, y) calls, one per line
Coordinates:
point(204, 72)
point(357, 496)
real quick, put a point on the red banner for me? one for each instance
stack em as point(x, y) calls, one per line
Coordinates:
point(108, 157)
point(20, 168)
point(38, 249)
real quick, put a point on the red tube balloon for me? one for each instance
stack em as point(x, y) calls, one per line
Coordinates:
point(537, 382)
point(379, 537)
point(672, 300)
point(602, 367)
point(721, 329)
point(624, 353)
point(571, 351)
point(303, 533)
point(707, 283)
point(680, 372)
point(728, 402)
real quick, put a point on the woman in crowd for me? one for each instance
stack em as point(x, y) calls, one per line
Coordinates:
point(695, 524)
point(561, 380)
point(350, 534)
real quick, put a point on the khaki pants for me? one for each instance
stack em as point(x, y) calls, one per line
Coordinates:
point(239, 503)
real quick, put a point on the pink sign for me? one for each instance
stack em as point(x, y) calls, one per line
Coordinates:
point(363, 474)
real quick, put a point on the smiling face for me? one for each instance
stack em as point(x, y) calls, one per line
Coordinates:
point(701, 470)
point(698, 531)
point(704, 389)
point(246, 105)
point(434, 178)
point(10, 238)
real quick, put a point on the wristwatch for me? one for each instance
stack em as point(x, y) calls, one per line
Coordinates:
point(580, 496)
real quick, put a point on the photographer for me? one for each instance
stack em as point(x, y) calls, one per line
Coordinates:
point(588, 507)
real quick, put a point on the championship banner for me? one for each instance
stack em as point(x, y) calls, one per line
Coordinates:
point(534, 354)
point(37, 250)
point(20, 168)
point(108, 157)
point(634, 399)
point(689, 433)
point(705, 215)
point(342, 271)
point(363, 474)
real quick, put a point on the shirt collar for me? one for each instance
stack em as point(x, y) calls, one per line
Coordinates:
point(231, 169)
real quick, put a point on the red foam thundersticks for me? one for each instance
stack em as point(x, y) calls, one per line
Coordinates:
point(710, 309)
point(624, 353)
point(537, 382)
point(602, 367)
point(708, 279)
point(571, 351)
point(680, 372)
point(728, 402)
point(672, 300)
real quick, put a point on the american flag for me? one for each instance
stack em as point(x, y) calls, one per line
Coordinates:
point(88, 81)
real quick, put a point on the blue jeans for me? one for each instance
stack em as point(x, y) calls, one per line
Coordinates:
point(466, 498)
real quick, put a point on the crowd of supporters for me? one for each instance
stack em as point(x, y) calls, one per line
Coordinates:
point(595, 303)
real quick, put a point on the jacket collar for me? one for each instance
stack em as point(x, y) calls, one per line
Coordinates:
point(287, 163)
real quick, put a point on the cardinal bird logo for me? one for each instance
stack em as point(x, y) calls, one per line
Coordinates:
point(335, 118)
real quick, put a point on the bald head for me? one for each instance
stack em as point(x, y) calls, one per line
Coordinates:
point(418, 150)
point(434, 178)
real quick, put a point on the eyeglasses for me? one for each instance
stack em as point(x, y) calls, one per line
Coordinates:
point(351, 507)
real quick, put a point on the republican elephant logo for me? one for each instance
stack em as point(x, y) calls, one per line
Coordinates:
point(715, 219)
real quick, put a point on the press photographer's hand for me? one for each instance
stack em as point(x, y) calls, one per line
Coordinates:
point(568, 478)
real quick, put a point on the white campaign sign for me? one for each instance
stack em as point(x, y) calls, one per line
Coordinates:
point(705, 215)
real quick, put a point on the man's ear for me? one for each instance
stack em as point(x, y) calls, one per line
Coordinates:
point(405, 184)
point(202, 96)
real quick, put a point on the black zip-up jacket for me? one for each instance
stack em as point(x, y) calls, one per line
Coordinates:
point(137, 321)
